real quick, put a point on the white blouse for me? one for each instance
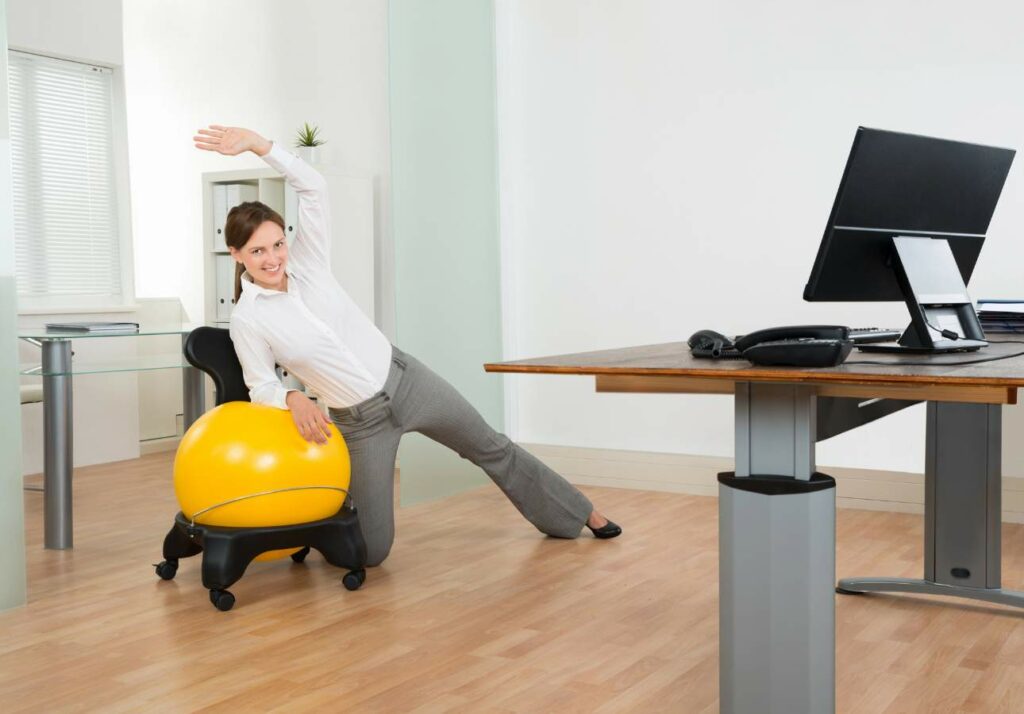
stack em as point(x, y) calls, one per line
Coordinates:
point(314, 330)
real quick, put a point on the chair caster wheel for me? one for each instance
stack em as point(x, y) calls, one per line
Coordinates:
point(222, 600)
point(353, 579)
point(166, 569)
point(300, 556)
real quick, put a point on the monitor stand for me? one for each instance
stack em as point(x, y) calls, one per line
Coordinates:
point(936, 297)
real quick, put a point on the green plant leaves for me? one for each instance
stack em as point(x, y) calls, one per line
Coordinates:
point(309, 136)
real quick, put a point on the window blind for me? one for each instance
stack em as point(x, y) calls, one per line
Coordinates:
point(65, 206)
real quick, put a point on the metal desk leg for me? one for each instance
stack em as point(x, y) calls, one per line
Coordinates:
point(776, 560)
point(194, 399)
point(963, 509)
point(58, 451)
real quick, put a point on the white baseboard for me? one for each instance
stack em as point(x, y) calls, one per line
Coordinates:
point(155, 446)
point(681, 473)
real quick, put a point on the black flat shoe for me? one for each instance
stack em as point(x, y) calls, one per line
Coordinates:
point(608, 530)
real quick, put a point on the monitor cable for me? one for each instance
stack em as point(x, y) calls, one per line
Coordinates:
point(948, 334)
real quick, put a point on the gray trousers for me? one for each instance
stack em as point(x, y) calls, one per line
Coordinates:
point(416, 399)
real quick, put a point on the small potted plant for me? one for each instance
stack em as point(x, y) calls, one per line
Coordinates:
point(307, 142)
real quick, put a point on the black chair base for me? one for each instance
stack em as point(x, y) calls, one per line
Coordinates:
point(227, 552)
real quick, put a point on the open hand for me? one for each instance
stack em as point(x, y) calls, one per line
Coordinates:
point(230, 140)
point(312, 423)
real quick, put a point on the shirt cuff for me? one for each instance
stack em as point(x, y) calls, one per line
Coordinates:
point(282, 396)
point(272, 395)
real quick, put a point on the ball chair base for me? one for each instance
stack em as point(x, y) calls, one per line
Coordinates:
point(227, 552)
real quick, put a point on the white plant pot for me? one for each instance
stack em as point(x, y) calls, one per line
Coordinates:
point(309, 154)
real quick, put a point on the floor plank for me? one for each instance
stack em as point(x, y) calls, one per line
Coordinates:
point(473, 612)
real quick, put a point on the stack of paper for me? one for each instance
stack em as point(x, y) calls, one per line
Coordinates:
point(1001, 315)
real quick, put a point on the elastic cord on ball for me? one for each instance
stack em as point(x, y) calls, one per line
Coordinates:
point(264, 493)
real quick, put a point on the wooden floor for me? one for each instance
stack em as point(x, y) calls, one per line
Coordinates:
point(473, 612)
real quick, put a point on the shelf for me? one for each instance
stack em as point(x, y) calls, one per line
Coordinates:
point(133, 363)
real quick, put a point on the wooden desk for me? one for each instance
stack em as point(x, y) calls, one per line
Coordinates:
point(777, 611)
point(670, 368)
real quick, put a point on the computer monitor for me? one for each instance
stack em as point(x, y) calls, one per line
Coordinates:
point(908, 223)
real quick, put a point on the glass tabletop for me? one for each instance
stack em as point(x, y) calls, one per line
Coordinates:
point(42, 333)
point(128, 363)
point(151, 358)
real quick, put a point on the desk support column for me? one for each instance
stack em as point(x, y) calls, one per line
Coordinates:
point(193, 397)
point(963, 492)
point(58, 446)
point(963, 509)
point(776, 560)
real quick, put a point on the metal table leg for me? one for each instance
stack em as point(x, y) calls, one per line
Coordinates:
point(58, 451)
point(194, 399)
point(963, 509)
point(776, 560)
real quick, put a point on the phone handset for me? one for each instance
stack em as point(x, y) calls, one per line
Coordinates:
point(793, 332)
point(796, 346)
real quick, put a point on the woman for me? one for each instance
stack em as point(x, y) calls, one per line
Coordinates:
point(291, 311)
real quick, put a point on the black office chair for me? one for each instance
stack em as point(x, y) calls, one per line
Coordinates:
point(211, 350)
point(227, 552)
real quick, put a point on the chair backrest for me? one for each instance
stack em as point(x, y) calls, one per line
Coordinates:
point(211, 350)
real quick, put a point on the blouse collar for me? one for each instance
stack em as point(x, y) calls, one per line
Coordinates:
point(249, 286)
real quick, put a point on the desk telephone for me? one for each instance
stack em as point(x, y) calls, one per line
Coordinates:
point(796, 346)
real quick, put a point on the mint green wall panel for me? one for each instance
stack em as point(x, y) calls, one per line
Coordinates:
point(12, 507)
point(445, 216)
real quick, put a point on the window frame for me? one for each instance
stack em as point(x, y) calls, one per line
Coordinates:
point(92, 304)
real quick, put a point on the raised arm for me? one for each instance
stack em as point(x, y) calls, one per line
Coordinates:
point(312, 232)
point(313, 224)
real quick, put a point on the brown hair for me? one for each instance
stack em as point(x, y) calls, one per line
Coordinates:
point(242, 222)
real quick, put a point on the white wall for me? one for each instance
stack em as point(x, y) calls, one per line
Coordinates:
point(82, 30)
point(670, 166)
point(266, 65)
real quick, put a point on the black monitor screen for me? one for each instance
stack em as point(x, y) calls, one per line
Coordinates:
point(902, 184)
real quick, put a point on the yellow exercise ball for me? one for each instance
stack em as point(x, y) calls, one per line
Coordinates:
point(241, 449)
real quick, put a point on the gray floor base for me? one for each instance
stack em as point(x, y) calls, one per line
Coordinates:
point(860, 586)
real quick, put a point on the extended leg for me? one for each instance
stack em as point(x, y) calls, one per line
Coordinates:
point(437, 410)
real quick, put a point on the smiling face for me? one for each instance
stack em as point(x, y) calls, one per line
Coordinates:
point(265, 256)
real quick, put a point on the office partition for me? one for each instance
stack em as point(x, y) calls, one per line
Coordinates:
point(12, 529)
point(445, 208)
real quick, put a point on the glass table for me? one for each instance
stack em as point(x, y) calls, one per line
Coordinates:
point(57, 370)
